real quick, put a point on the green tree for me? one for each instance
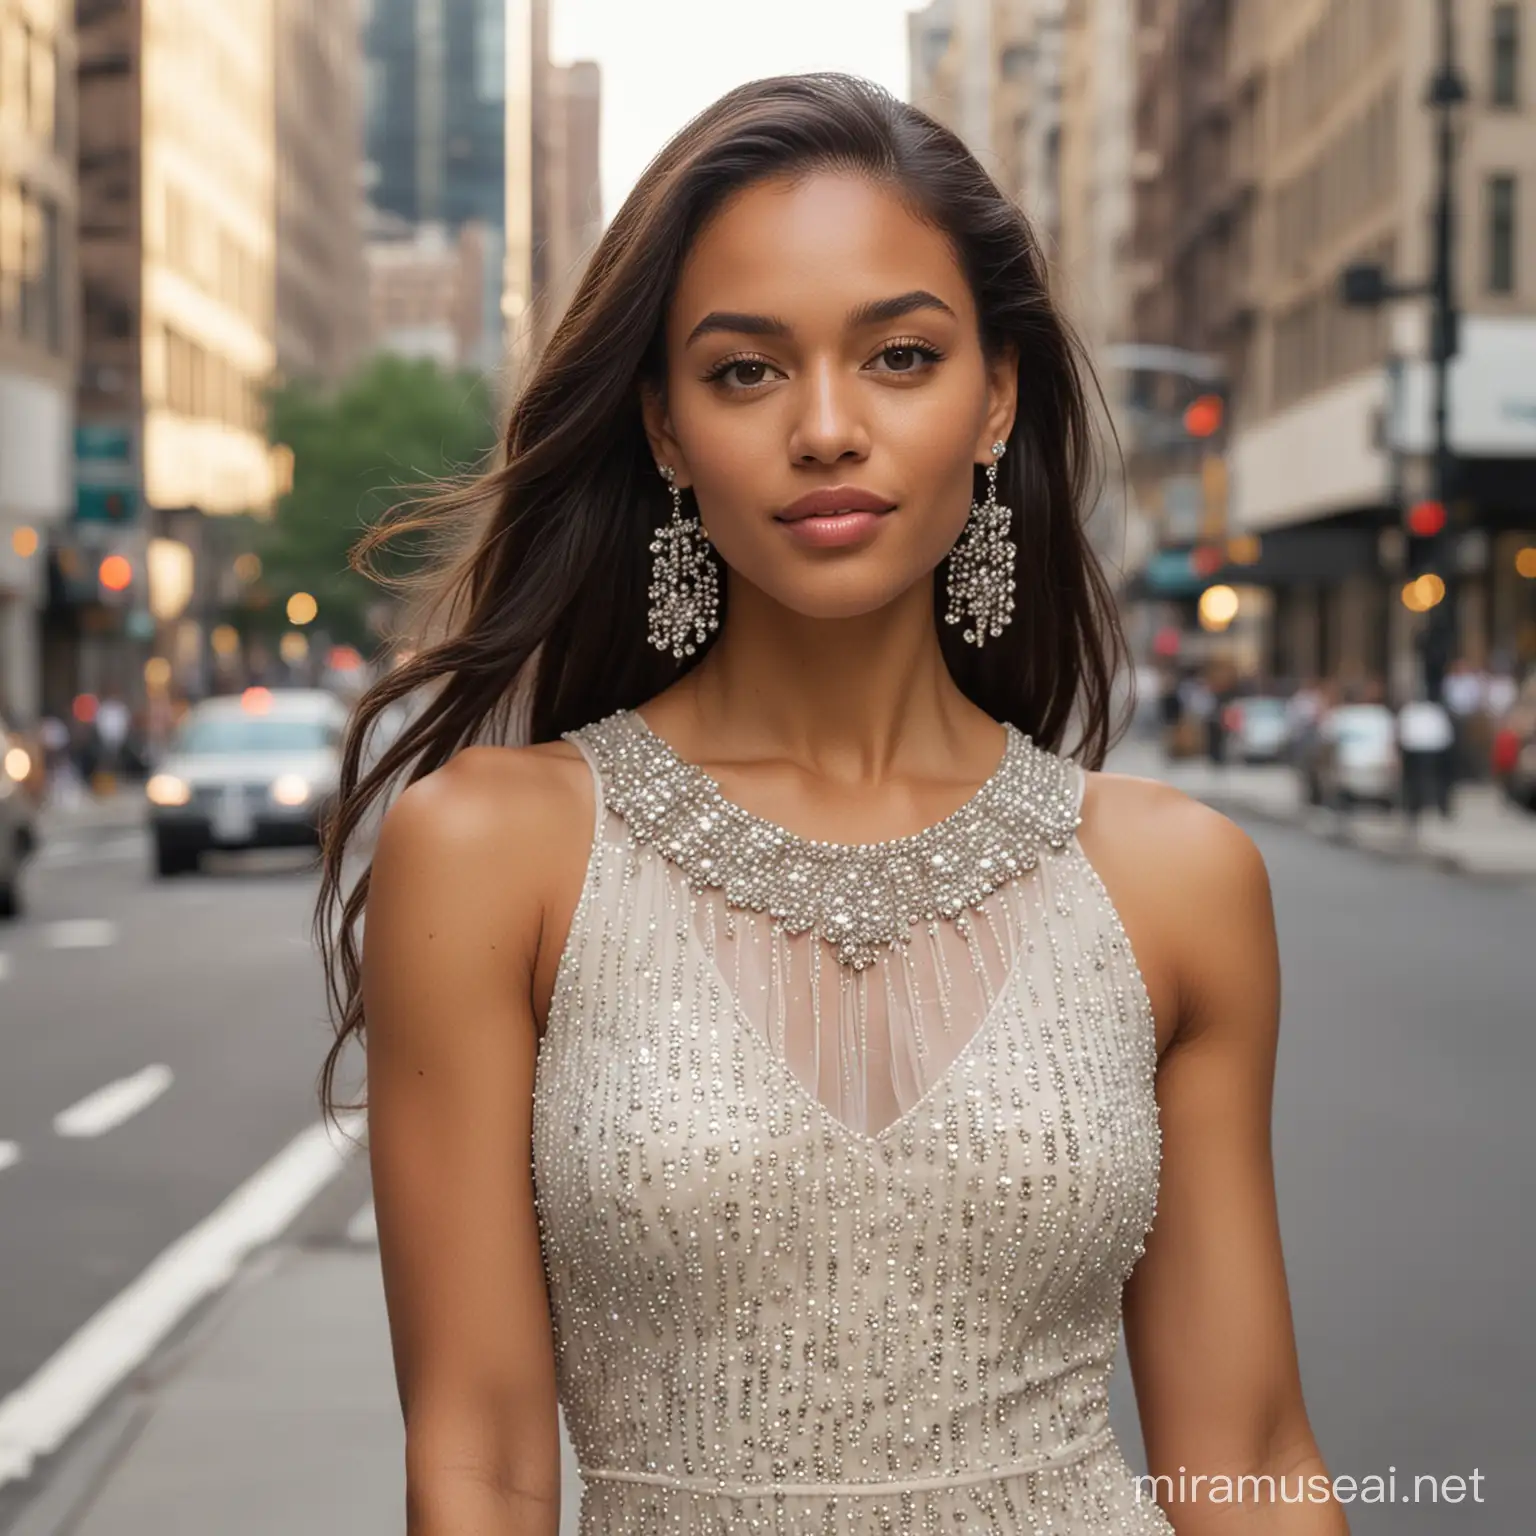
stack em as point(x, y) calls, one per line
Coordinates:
point(393, 428)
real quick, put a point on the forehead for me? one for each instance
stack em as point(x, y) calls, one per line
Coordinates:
point(807, 250)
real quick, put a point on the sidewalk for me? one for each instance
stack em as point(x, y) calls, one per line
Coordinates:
point(276, 1413)
point(1486, 837)
point(90, 815)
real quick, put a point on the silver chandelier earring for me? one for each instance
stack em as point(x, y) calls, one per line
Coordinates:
point(981, 566)
point(685, 584)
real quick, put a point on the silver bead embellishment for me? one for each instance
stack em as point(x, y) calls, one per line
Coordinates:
point(981, 566)
point(857, 896)
point(685, 582)
point(838, 1250)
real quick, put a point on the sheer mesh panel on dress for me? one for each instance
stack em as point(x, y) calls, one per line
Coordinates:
point(866, 1044)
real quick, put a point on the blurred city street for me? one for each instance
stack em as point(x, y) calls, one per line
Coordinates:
point(269, 268)
point(272, 1407)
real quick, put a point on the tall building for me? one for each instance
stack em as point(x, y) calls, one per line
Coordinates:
point(1094, 226)
point(426, 290)
point(462, 93)
point(991, 70)
point(570, 214)
point(177, 166)
point(322, 302)
point(1096, 208)
point(1280, 142)
point(38, 331)
point(436, 119)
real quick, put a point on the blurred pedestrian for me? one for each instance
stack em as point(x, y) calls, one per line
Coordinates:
point(1465, 692)
point(1303, 710)
point(113, 721)
point(1426, 742)
point(1169, 711)
point(64, 786)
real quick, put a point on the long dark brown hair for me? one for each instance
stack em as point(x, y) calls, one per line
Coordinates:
point(538, 608)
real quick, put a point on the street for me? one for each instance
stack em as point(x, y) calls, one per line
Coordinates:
point(196, 1005)
point(1403, 1145)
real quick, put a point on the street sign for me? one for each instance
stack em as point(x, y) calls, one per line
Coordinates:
point(106, 473)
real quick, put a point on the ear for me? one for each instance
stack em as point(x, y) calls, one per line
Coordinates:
point(1002, 400)
point(658, 432)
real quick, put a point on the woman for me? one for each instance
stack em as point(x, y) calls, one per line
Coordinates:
point(763, 1057)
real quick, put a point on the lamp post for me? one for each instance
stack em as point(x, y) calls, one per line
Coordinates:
point(1366, 284)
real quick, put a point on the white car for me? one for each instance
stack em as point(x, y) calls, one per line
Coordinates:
point(1259, 727)
point(1359, 763)
point(18, 830)
point(253, 770)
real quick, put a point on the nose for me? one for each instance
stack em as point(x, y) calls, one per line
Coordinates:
point(829, 425)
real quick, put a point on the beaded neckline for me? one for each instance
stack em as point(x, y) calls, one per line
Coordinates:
point(859, 897)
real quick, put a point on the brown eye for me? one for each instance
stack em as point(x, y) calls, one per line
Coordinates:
point(748, 374)
point(906, 357)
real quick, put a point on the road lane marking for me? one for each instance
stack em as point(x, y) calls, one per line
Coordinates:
point(80, 933)
point(43, 1412)
point(99, 1112)
point(364, 1227)
point(9, 1153)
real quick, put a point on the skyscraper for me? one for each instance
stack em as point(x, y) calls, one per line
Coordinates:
point(436, 122)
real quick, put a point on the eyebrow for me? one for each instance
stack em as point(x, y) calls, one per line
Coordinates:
point(874, 312)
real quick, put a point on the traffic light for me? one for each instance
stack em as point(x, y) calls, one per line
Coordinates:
point(1204, 415)
point(114, 579)
point(1424, 523)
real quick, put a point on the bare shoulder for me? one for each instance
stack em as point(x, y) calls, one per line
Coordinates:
point(484, 800)
point(494, 843)
point(1181, 875)
point(1174, 836)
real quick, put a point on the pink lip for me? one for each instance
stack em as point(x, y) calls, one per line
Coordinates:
point(834, 498)
point(834, 516)
point(833, 530)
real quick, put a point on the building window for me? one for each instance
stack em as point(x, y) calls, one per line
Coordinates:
point(1501, 234)
point(42, 91)
point(491, 50)
point(31, 291)
point(1505, 41)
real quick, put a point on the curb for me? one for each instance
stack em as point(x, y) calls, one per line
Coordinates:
point(1345, 837)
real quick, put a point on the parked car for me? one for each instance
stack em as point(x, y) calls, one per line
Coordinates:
point(1355, 760)
point(1258, 729)
point(258, 769)
point(18, 820)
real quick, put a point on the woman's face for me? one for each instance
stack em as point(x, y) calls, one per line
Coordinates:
point(824, 344)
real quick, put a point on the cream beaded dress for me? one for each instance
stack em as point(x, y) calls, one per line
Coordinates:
point(842, 1156)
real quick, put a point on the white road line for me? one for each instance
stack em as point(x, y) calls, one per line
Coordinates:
point(364, 1227)
point(42, 1413)
point(99, 1112)
point(9, 1153)
point(80, 933)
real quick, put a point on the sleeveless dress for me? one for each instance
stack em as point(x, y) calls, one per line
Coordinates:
point(842, 1156)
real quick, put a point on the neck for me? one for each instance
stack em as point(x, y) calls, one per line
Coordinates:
point(855, 698)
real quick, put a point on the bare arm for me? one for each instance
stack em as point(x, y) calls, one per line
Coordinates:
point(452, 938)
point(1207, 1311)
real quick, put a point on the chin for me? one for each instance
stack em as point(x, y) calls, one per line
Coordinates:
point(847, 593)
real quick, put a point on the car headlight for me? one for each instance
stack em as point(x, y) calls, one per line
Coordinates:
point(290, 789)
point(167, 789)
point(18, 764)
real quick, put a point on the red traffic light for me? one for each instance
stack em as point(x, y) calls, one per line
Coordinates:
point(1203, 416)
point(1426, 518)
